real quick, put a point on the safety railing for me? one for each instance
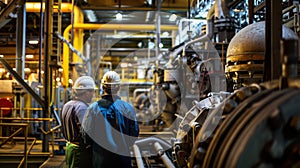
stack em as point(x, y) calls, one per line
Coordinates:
point(29, 119)
point(22, 127)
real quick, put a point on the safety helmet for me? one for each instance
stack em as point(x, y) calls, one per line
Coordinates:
point(111, 78)
point(84, 82)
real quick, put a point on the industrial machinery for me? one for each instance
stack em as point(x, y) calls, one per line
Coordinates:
point(250, 123)
point(225, 97)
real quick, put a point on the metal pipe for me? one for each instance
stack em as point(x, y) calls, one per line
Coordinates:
point(47, 47)
point(138, 157)
point(83, 26)
point(158, 23)
point(168, 163)
point(41, 41)
point(146, 141)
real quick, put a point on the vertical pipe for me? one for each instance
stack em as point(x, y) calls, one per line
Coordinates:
point(48, 30)
point(267, 69)
point(25, 146)
point(21, 49)
point(276, 35)
point(158, 28)
point(250, 10)
point(21, 41)
point(41, 41)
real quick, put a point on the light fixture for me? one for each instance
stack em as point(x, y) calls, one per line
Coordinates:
point(165, 34)
point(29, 56)
point(119, 16)
point(161, 45)
point(173, 17)
point(33, 42)
point(1, 56)
point(27, 70)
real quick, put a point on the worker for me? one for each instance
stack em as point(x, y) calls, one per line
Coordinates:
point(71, 119)
point(112, 125)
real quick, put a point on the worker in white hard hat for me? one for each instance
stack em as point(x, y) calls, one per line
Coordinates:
point(71, 119)
point(112, 124)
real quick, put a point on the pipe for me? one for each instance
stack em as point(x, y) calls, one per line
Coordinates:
point(168, 163)
point(83, 26)
point(78, 18)
point(146, 141)
point(138, 157)
point(209, 30)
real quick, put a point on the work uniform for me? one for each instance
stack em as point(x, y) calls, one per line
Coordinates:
point(71, 119)
point(112, 125)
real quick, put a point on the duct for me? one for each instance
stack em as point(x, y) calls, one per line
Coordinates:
point(83, 26)
point(168, 163)
point(138, 157)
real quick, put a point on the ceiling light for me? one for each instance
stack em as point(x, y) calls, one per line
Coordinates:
point(119, 16)
point(29, 56)
point(27, 69)
point(33, 42)
point(173, 17)
point(1, 56)
point(166, 34)
point(161, 45)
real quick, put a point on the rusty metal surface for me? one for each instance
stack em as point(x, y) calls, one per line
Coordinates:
point(251, 39)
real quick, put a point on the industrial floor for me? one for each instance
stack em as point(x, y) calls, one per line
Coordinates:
point(12, 152)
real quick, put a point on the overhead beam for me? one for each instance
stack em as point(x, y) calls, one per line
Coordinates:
point(7, 13)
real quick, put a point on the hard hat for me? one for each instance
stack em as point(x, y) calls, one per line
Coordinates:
point(111, 78)
point(84, 82)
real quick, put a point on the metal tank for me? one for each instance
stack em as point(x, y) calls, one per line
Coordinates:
point(246, 54)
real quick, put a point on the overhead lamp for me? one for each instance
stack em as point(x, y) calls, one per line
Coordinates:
point(29, 56)
point(119, 16)
point(165, 34)
point(161, 45)
point(27, 69)
point(33, 42)
point(173, 17)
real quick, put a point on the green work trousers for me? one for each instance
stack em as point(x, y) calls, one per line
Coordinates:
point(72, 155)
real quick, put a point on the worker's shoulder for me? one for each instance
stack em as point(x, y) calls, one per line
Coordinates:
point(120, 102)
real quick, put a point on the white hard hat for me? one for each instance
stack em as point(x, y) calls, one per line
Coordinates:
point(84, 82)
point(111, 78)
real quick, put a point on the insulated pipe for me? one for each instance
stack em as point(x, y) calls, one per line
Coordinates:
point(146, 141)
point(168, 163)
point(138, 156)
point(82, 26)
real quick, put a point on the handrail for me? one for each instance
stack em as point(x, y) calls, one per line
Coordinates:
point(24, 126)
